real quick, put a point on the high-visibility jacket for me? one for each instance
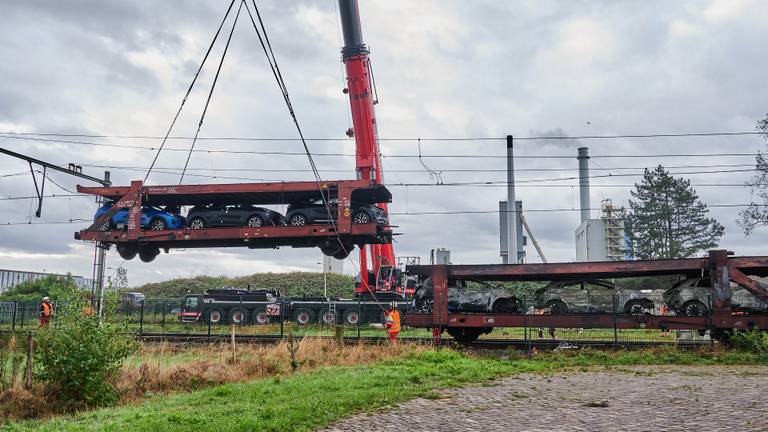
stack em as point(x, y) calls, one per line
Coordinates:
point(45, 309)
point(394, 316)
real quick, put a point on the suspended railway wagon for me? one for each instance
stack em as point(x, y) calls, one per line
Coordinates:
point(722, 268)
point(336, 238)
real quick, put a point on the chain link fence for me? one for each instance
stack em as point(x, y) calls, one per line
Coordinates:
point(360, 319)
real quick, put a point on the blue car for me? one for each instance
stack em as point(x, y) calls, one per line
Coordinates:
point(152, 218)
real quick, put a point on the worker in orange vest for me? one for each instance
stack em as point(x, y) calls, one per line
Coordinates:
point(392, 322)
point(46, 312)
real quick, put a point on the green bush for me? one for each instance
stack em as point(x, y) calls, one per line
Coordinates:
point(754, 341)
point(79, 358)
point(293, 284)
point(52, 286)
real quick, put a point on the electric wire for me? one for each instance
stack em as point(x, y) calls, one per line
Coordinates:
point(468, 138)
point(404, 156)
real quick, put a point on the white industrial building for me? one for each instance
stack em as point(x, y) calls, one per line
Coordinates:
point(11, 278)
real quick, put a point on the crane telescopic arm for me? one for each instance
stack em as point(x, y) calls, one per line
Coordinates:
point(360, 91)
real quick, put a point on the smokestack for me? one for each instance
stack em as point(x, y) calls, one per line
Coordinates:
point(511, 207)
point(584, 183)
point(350, 26)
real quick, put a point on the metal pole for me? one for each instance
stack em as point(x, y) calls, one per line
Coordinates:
point(583, 159)
point(533, 239)
point(141, 319)
point(511, 206)
point(13, 320)
point(615, 330)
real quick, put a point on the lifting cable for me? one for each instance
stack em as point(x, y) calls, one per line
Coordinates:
point(210, 92)
point(272, 60)
point(189, 90)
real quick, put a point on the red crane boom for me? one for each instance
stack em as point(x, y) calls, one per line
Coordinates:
point(368, 160)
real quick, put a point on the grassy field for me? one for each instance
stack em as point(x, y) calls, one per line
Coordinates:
point(319, 397)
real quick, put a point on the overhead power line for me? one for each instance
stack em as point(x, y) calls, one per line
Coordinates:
point(412, 156)
point(414, 213)
point(469, 138)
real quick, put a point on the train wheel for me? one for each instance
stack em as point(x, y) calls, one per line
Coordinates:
point(261, 317)
point(466, 335)
point(351, 318)
point(148, 254)
point(303, 317)
point(127, 252)
point(238, 316)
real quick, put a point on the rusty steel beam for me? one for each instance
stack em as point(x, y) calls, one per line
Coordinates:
point(718, 265)
point(742, 322)
point(692, 267)
point(750, 285)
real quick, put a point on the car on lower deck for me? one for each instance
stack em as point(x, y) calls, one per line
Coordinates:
point(468, 296)
point(314, 211)
point(560, 297)
point(228, 215)
point(152, 218)
point(693, 297)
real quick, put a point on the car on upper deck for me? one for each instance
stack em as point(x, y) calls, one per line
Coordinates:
point(314, 211)
point(227, 215)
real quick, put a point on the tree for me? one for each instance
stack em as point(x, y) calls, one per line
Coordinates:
point(55, 287)
point(756, 214)
point(666, 219)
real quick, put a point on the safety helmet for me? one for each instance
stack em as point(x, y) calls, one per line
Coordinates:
point(45, 299)
point(393, 305)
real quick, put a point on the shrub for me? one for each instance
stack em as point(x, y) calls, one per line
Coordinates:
point(79, 358)
point(754, 341)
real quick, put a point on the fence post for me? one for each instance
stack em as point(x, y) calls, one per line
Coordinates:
point(359, 314)
point(162, 312)
point(28, 370)
point(141, 319)
point(13, 319)
point(282, 317)
point(23, 314)
point(615, 331)
point(208, 318)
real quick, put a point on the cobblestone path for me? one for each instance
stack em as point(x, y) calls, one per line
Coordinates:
point(669, 398)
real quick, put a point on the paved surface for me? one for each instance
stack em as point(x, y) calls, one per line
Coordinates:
point(673, 398)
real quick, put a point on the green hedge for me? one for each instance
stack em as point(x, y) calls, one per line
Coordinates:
point(293, 284)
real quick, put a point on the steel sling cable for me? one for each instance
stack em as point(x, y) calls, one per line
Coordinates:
point(272, 60)
point(189, 90)
point(210, 93)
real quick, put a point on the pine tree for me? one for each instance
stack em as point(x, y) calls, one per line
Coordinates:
point(756, 214)
point(666, 219)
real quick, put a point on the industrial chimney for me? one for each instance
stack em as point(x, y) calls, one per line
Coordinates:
point(584, 183)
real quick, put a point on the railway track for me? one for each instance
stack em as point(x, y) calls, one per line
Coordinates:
point(490, 344)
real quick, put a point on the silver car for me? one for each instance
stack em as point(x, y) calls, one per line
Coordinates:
point(479, 296)
point(693, 297)
point(561, 297)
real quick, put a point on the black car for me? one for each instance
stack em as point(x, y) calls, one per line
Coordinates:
point(314, 211)
point(220, 215)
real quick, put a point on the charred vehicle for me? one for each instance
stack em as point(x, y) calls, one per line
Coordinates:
point(468, 296)
point(693, 297)
point(595, 296)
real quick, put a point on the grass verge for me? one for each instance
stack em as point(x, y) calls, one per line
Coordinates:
point(304, 402)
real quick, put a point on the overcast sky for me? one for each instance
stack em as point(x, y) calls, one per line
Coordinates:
point(451, 69)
